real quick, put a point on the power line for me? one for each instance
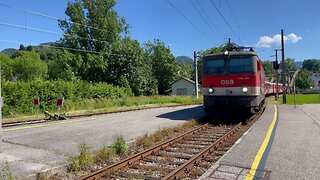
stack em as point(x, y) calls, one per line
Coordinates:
point(224, 19)
point(203, 18)
point(208, 17)
point(53, 18)
point(59, 47)
point(49, 32)
point(187, 19)
point(234, 16)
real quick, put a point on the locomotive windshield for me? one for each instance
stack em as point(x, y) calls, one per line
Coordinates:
point(241, 65)
point(233, 65)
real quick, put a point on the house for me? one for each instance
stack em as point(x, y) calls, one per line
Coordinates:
point(184, 87)
point(316, 80)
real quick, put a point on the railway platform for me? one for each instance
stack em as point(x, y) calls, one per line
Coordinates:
point(283, 144)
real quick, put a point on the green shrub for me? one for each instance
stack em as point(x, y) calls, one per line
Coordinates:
point(105, 154)
point(120, 146)
point(83, 160)
point(18, 95)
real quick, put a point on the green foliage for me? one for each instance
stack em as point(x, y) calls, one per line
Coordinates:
point(312, 65)
point(92, 20)
point(29, 66)
point(268, 69)
point(83, 160)
point(6, 67)
point(105, 154)
point(18, 95)
point(303, 80)
point(120, 146)
point(164, 66)
point(185, 67)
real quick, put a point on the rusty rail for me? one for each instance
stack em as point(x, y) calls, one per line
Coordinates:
point(193, 161)
point(128, 161)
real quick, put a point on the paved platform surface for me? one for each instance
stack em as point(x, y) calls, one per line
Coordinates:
point(34, 148)
point(294, 151)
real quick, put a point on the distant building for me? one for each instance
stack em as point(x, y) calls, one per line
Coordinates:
point(184, 87)
point(316, 80)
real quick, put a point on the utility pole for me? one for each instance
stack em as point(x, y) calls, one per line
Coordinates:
point(283, 74)
point(276, 71)
point(195, 73)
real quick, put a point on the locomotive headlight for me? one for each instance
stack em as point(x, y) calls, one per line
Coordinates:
point(210, 90)
point(245, 89)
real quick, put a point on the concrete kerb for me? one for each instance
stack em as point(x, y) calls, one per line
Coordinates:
point(312, 117)
point(44, 174)
point(216, 164)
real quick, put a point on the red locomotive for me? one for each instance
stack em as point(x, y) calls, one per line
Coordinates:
point(234, 79)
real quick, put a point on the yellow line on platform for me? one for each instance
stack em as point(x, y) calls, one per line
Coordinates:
point(263, 147)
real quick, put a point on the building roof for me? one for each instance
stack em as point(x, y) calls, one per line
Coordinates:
point(184, 78)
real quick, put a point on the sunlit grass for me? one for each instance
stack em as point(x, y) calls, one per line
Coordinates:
point(104, 105)
point(302, 99)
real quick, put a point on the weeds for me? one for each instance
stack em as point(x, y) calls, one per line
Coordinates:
point(83, 160)
point(105, 154)
point(120, 147)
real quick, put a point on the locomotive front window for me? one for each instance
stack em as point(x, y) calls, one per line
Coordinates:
point(214, 66)
point(241, 65)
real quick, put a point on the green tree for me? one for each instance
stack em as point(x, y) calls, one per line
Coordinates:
point(312, 65)
point(127, 65)
point(93, 25)
point(164, 66)
point(29, 66)
point(303, 80)
point(268, 69)
point(6, 67)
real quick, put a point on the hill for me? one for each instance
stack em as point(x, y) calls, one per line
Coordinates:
point(9, 51)
point(184, 60)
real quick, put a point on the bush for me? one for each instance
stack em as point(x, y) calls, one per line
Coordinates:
point(83, 160)
point(18, 95)
point(120, 145)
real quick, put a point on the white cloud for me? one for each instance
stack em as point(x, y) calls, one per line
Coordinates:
point(267, 41)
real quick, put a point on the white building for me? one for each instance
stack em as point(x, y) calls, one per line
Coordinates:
point(316, 80)
point(184, 87)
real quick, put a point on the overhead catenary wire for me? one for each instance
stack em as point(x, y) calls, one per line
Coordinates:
point(225, 20)
point(204, 19)
point(59, 47)
point(189, 21)
point(209, 19)
point(58, 19)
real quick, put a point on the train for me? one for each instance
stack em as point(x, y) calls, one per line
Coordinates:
point(235, 80)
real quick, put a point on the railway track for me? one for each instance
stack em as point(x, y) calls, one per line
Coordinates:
point(184, 156)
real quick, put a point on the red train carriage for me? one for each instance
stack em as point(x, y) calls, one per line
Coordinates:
point(233, 79)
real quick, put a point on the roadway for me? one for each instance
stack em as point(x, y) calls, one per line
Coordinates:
point(33, 148)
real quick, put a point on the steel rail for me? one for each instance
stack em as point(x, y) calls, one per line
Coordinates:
point(184, 168)
point(128, 161)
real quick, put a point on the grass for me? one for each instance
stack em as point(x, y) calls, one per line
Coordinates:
point(303, 99)
point(104, 105)
point(119, 149)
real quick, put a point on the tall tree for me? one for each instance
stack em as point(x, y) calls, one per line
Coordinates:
point(268, 69)
point(303, 80)
point(93, 25)
point(164, 66)
point(312, 65)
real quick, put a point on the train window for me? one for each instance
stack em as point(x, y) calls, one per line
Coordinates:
point(241, 65)
point(214, 67)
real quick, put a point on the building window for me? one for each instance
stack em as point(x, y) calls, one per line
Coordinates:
point(182, 91)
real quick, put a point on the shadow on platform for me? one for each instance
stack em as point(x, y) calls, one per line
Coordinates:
point(185, 114)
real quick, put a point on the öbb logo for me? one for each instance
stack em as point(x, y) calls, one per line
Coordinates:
point(227, 82)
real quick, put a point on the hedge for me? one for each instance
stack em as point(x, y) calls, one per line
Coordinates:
point(18, 96)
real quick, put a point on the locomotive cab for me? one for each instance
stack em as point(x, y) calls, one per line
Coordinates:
point(233, 80)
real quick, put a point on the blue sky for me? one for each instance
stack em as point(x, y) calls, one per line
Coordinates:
point(253, 23)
